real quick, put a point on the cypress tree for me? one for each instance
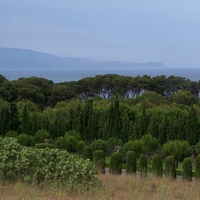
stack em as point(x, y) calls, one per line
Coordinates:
point(170, 163)
point(143, 165)
point(5, 119)
point(14, 120)
point(116, 163)
point(110, 122)
point(114, 120)
point(45, 122)
point(99, 160)
point(34, 125)
point(87, 120)
point(90, 123)
point(157, 165)
point(143, 120)
point(197, 174)
point(192, 127)
point(96, 134)
point(25, 120)
point(116, 128)
point(187, 169)
point(131, 165)
point(125, 127)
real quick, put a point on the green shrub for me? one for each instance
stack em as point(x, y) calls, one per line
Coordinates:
point(41, 135)
point(71, 142)
point(197, 167)
point(170, 164)
point(116, 163)
point(25, 140)
point(98, 145)
point(99, 160)
point(44, 145)
point(80, 146)
point(131, 165)
point(61, 143)
point(87, 153)
point(197, 147)
point(73, 133)
point(11, 134)
point(157, 165)
point(44, 166)
point(178, 149)
point(151, 142)
point(187, 169)
point(10, 151)
point(137, 146)
point(143, 165)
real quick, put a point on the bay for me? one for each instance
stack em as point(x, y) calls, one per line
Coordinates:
point(70, 74)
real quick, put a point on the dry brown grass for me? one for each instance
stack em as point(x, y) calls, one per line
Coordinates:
point(114, 187)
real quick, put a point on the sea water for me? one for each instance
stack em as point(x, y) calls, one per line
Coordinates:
point(65, 75)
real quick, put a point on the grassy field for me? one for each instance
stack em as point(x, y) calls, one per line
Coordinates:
point(113, 187)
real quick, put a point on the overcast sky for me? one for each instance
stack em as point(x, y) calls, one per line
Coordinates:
point(166, 31)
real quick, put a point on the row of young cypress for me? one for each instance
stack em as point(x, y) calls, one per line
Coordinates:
point(157, 165)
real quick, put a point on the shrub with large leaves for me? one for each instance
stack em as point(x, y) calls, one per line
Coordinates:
point(10, 151)
point(49, 166)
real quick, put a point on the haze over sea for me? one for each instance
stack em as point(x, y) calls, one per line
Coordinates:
point(70, 74)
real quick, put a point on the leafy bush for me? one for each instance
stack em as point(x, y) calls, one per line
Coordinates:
point(48, 166)
point(80, 146)
point(41, 135)
point(150, 142)
point(10, 151)
point(11, 134)
point(61, 143)
point(44, 145)
point(187, 169)
point(170, 163)
point(98, 145)
point(143, 165)
point(198, 147)
point(25, 140)
point(71, 142)
point(137, 146)
point(131, 165)
point(99, 160)
point(157, 165)
point(178, 149)
point(87, 153)
point(198, 167)
point(74, 134)
point(116, 163)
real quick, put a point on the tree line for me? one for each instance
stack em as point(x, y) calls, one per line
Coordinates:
point(44, 92)
point(103, 107)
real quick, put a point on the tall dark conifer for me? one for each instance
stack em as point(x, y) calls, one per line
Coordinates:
point(143, 122)
point(192, 127)
point(14, 118)
point(116, 132)
point(86, 121)
point(5, 119)
point(25, 121)
point(34, 125)
point(114, 120)
point(90, 120)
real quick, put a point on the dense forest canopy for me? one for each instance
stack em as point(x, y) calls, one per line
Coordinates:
point(102, 107)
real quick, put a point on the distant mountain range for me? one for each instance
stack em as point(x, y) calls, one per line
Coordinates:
point(13, 58)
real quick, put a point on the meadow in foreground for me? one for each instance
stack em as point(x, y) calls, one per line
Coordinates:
point(113, 187)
